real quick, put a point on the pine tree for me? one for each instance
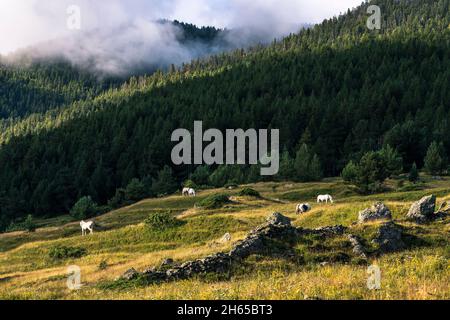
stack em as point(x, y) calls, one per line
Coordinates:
point(434, 161)
point(413, 174)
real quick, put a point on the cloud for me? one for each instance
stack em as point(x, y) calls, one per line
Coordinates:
point(118, 35)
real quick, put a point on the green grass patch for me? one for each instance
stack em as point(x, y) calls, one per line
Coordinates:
point(63, 252)
point(249, 192)
point(214, 201)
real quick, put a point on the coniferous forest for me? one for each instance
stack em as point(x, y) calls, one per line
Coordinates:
point(344, 97)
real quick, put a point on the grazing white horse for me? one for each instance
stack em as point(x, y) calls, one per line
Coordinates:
point(185, 192)
point(324, 198)
point(87, 226)
point(192, 192)
point(302, 208)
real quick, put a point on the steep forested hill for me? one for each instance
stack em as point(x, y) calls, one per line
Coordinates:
point(339, 87)
point(42, 86)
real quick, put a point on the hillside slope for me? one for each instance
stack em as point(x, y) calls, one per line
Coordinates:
point(309, 267)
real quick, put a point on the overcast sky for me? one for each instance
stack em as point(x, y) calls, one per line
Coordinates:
point(27, 22)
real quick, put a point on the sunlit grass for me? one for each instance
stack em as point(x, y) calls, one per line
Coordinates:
point(420, 272)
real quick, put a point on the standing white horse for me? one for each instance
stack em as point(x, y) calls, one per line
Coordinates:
point(87, 226)
point(192, 192)
point(185, 192)
point(324, 198)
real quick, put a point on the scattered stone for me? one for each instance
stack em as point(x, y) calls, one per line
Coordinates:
point(226, 238)
point(389, 237)
point(167, 263)
point(130, 274)
point(422, 211)
point(276, 227)
point(324, 264)
point(278, 219)
point(330, 231)
point(379, 211)
point(358, 248)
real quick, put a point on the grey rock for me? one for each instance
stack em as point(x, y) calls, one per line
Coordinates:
point(379, 211)
point(167, 262)
point(130, 274)
point(330, 231)
point(276, 227)
point(279, 219)
point(389, 237)
point(358, 248)
point(423, 210)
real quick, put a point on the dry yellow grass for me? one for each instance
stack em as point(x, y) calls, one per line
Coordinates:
point(421, 272)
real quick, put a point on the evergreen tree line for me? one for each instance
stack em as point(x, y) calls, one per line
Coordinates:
point(338, 93)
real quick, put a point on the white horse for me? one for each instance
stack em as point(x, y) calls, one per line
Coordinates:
point(302, 208)
point(87, 226)
point(192, 192)
point(185, 192)
point(324, 198)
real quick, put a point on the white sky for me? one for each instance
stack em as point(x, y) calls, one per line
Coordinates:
point(26, 22)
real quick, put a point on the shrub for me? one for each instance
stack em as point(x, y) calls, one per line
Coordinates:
point(350, 172)
point(103, 265)
point(370, 174)
point(413, 174)
point(249, 192)
point(200, 175)
point(214, 201)
point(63, 252)
point(231, 186)
point(84, 208)
point(165, 182)
point(161, 221)
point(190, 184)
point(29, 224)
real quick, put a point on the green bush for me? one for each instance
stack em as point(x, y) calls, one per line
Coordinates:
point(214, 201)
point(29, 224)
point(103, 265)
point(84, 208)
point(369, 174)
point(161, 221)
point(135, 190)
point(413, 174)
point(249, 192)
point(190, 184)
point(63, 252)
point(435, 160)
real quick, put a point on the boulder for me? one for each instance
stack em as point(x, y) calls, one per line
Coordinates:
point(358, 248)
point(130, 274)
point(379, 211)
point(422, 210)
point(278, 219)
point(389, 237)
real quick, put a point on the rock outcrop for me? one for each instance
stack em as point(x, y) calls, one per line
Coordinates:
point(379, 211)
point(130, 274)
point(358, 248)
point(389, 237)
point(277, 226)
point(422, 211)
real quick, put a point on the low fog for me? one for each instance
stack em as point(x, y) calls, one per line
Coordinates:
point(122, 36)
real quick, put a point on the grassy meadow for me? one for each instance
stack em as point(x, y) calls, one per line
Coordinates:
point(422, 271)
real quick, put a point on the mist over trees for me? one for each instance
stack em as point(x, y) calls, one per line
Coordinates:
point(342, 96)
